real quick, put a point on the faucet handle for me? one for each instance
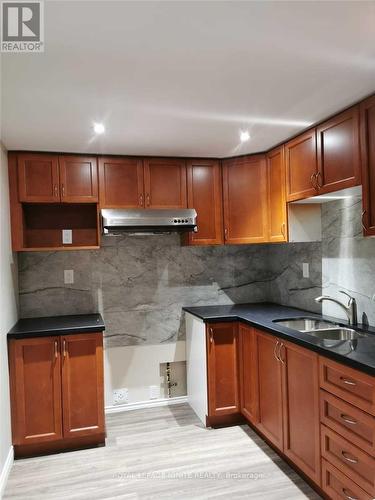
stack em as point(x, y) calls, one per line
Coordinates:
point(351, 299)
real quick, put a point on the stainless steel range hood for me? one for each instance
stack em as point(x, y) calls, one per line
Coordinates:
point(115, 221)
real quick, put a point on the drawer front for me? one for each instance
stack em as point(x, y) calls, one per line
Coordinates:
point(351, 385)
point(353, 424)
point(349, 459)
point(338, 486)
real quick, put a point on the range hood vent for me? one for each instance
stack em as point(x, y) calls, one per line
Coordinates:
point(116, 221)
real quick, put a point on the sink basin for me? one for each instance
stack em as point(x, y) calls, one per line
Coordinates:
point(306, 324)
point(337, 334)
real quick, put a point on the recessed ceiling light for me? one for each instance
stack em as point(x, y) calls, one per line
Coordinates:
point(244, 135)
point(99, 128)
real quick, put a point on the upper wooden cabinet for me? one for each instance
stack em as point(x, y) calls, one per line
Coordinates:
point(338, 152)
point(245, 199)
point(222, 369)
point(277, 213)
point(38, 178)
point(44, 178)
point(301, 166)
point(165, 183)
point(204, 188)
point(56, 392)
point(78, 179)
point(121, 182)
point(367, 127)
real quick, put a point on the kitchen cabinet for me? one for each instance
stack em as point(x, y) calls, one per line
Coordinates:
point(121, 182)
point(222, 369)
point(270, 418)
point(45, 178)
point(301, 166)
point(165, 183)
point(367, 135)
point(277, 208)
point(204, 190)
point(56, 392)
point(248, 373)
point(301, 408)
point(338, 152)
point(245, 200)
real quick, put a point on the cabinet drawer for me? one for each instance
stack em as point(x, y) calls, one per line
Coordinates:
point(349, 459)
point(353, 424)
point(351, 385)
point(338, 486)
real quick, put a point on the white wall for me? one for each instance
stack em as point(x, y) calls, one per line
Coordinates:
point(8, 316)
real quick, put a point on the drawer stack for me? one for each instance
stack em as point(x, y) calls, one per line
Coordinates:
point(347, 427)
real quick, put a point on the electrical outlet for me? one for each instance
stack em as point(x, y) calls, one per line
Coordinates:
point(154, 392)
point(305, 270)
point(120, 396)
point(67, 237)
point(68, 276)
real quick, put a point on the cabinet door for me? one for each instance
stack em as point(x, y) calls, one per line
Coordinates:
point(35, 379)
point(38, 178)
point(222, 368)
point(165, 183)
point(121, 183)
point(248, 373)
point(301, 408)
point(245, 200)
point(301, 166)
point(338, 152)
point(367, 119)
point(78, 179)
point(204, 188)
point(270, 421)
point(82, 384)
point(277, 213)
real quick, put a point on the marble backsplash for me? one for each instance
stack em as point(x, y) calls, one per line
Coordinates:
point(140, 283)
point(348, 259)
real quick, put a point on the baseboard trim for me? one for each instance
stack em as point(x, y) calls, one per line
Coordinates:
point(6, 471)
point(152, 403)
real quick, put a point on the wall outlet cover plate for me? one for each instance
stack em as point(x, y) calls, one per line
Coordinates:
point(120, 396)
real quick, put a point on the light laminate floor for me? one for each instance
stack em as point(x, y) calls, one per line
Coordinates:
point(161, 453)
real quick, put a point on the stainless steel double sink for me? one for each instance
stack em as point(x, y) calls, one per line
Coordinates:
point(322, 329)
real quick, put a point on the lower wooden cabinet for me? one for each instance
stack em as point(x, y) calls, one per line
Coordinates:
point(56, 392)
point(248, 373)
point(222, 369)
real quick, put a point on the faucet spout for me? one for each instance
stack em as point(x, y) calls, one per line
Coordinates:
point(350, 309)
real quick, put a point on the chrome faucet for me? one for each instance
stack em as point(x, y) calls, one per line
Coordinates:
point(350, 309)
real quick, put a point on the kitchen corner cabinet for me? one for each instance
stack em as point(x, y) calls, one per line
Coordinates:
point(245, 200)
point(277, 208)
point(338, 152)
point(45, 178)
point(56, 386)
point(367, 133)
point(222, 369)
point(301, 166)
point(204, 191)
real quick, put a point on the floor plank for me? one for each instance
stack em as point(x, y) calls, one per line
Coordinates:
point(161, 453)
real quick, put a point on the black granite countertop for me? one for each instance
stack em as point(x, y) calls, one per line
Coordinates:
point(358, 353)
point(57, 325)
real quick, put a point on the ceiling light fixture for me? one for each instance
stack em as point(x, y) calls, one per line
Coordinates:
point(99, 128)
point(244, 135)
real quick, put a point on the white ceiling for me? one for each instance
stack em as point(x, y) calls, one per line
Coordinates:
point(182, 78)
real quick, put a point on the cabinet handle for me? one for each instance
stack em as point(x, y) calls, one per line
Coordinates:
point(211, 336)
point(55, 190)
point(318, 175)
point(56, 352)
point(282, 359)
point(275, 351)
point(62, 189)
point(348, 382)
point(363, 221)
point(225, 234)
point(313, 181)
point(141, 200)
point(348, 420)
point(148, 199)
point(346, 495)
point(348, 458)
point(283, 230)
point(64, 348)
